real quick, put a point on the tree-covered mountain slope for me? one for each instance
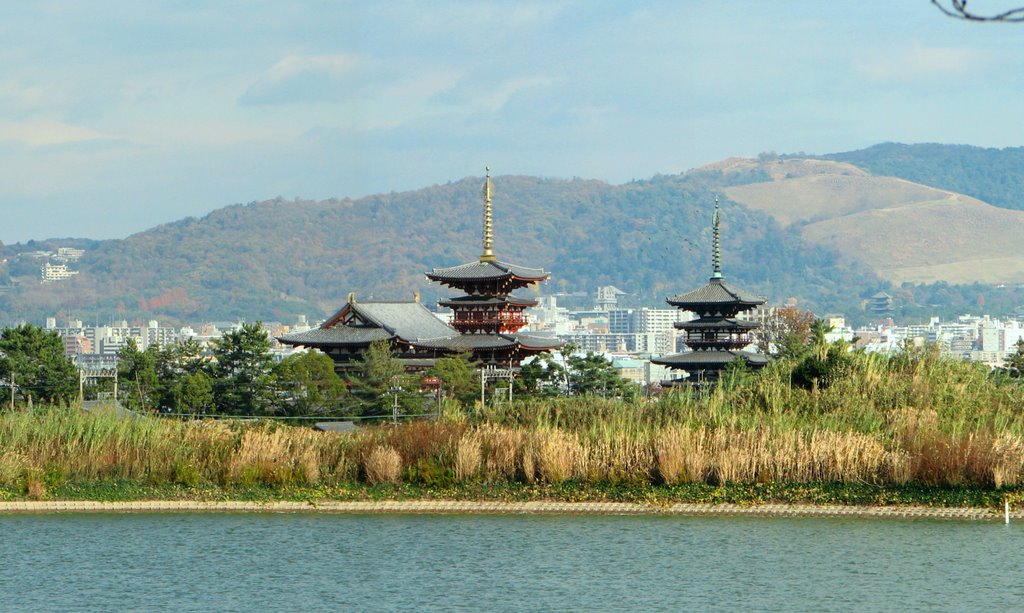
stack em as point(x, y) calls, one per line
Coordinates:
point(823, 232)
point(280, 258)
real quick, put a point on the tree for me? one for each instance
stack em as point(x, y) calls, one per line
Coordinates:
point(458, 377)
point(243, 382)
point(34, 359)
point(594, 374)
point(787, 334)
point(541, 376)
point(137, 372)
point(1015, 361)
point(193, 393)
point(381, 380)
point(185, 383)
point(310, 386)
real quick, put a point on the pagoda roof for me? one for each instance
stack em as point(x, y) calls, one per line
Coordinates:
point(474, 342)
point(717, 323)
point(717, 291)
point(361, 323)
point(341, 335)
point(712, 358)
point(487, 270)
point(489, 300)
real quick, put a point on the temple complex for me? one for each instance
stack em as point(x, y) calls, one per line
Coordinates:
point(488, 317)
point(717, 337)
point(486, 323)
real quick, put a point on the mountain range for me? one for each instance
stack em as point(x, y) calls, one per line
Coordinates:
point(823, 232)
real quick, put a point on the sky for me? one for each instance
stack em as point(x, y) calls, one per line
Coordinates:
point(118, 116)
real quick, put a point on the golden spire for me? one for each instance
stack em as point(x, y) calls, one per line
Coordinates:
point(488, 254)
point(716, 256)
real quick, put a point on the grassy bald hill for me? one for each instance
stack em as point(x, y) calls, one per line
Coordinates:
point(278, 258)
point(904, 231)
point(995, 176)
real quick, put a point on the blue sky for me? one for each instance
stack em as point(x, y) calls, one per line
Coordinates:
point(117, 116)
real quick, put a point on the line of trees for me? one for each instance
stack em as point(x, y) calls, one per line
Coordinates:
point(239, 376)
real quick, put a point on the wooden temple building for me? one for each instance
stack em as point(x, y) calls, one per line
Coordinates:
point(717, 337)
point(347, 334)
point(488, 317)
point(486, 320)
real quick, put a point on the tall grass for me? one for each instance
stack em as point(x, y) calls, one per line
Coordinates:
point(910, 419)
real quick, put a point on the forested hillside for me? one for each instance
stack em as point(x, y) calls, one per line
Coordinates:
point(280, 258)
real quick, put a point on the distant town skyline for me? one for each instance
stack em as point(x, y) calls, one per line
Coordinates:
point(115, 116)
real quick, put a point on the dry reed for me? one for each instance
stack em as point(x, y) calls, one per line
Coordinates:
point(468, 457)
point(383, 465)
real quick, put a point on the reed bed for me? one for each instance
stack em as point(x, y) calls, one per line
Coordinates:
point(892, 421)
point(69, 445)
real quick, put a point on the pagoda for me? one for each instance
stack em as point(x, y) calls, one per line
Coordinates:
point(717, 337)
point(488, 317)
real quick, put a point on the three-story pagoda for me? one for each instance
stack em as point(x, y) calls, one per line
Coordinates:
point(488, 317)
point(717, 337)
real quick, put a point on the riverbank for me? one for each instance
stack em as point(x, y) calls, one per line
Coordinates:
point(510, 497)
point(504, 508)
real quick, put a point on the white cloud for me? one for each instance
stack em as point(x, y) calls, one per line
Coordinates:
point(38, 133)
point(475, 22)
point(919, 64)
point(304, 78)
point(483, 95)
point(19, 97)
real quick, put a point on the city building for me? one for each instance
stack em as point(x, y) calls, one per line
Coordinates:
point(56, 272)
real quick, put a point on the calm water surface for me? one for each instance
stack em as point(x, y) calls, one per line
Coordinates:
point(243, 562)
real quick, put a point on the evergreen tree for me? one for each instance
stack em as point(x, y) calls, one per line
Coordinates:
point(34, 359)
point(193, 393)
point(137, 376)
point(381, 381)
point(594, 374)
point(310, 386)
point(458, 377)
point(1015, 361)
point(541, 376)
point(243, 371)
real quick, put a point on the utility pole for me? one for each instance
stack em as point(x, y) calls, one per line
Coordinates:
point(395, 388)
point(483, 382)
point(394, 409)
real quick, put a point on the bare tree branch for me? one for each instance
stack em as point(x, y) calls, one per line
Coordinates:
point(958, 9)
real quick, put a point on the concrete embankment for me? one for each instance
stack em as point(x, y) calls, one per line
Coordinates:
point(484, 507)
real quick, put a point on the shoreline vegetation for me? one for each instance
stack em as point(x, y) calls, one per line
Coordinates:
point(908, 429)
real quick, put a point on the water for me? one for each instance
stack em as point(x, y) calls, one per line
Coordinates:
point(248, 562)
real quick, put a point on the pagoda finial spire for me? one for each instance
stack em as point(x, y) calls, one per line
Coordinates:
point(488, 254)
point(717, 241)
